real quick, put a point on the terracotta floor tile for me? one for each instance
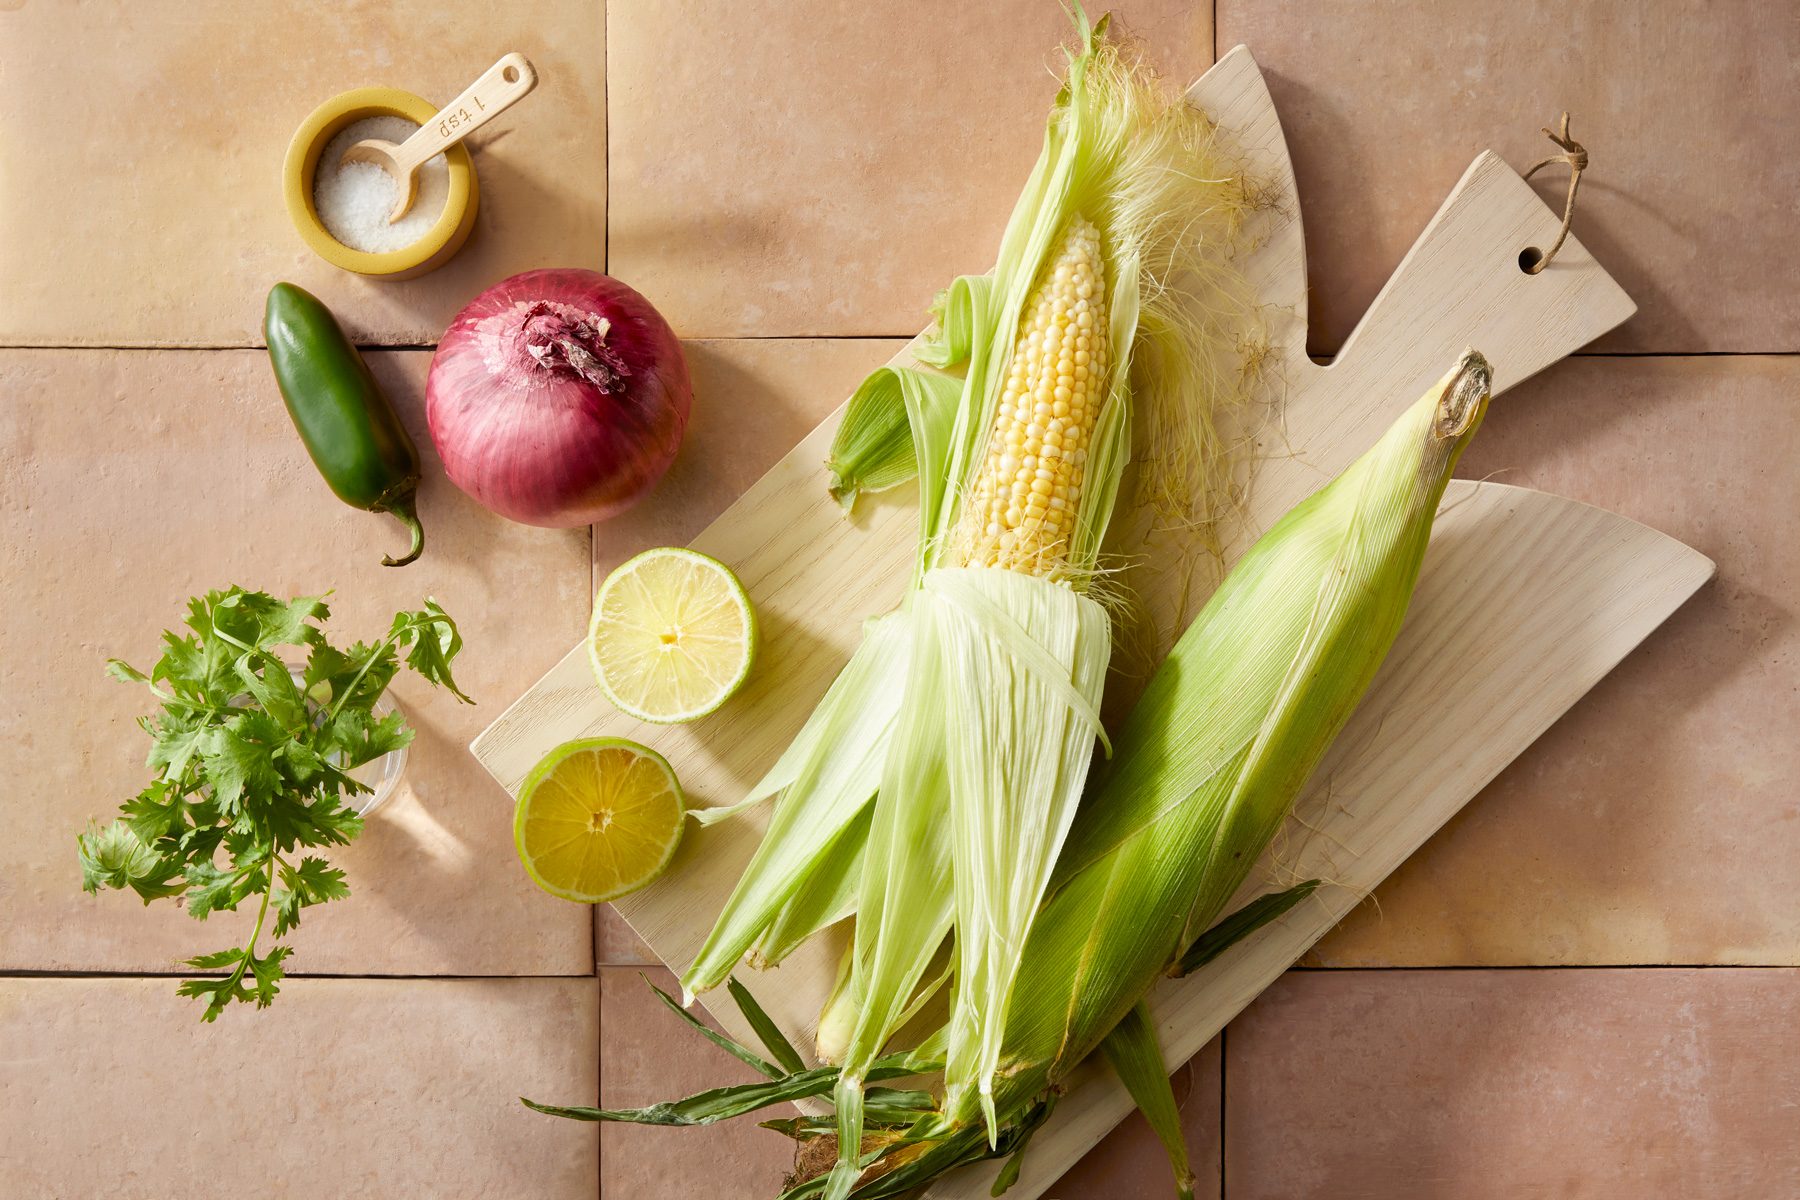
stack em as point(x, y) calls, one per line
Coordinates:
point(132, 480)
point(1508, 1085)
point(647, 1055)
point(1686, 107)
point(753, 399)
point(1130, 1161)
point(615, 945)
point(342, 1088)
point(828, 168)
point(1659, 820)
point(143, 150)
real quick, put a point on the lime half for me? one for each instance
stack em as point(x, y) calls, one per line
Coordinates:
point(598, 818)
point(673, 635)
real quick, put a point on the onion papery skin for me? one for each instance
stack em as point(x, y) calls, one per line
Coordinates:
point(558, 398)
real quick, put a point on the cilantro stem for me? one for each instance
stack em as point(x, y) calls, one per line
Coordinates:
point(229, 640)
point(262, 912)
point(337, 705)
point(374, 657)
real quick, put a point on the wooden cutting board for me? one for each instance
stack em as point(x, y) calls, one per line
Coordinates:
point(1526, 600)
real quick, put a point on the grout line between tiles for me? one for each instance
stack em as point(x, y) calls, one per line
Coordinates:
point(593, 585)
point(1310, 969)
point(600, 967)
point(27, 974)
point(1685, 354)
point(600, 1076)
point(593, 588)
point(605, 134)
point(1225, 1032)
point(842, 337)
point(1224, 1064)
point(606, 111)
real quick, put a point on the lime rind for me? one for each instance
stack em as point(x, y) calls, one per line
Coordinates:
point(546, 767)
point(732, 592)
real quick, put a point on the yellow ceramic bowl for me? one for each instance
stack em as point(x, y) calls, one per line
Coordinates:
point(433, 250)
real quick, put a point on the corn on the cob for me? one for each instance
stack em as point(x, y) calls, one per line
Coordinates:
point(1021, 512)
point(1207, 767)
point(1231, 726)
point(976, 709)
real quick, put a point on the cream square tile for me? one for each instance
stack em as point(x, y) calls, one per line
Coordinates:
point(140, 160)
point(753, 399)
point(132, 480)
point(821, 168)
point(1508, 1085)
point(113, 1087)
point(648, 1055)
point(1658, 821)
point(1686, 107)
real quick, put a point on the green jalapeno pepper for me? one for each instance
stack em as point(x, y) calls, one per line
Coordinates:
point(349, 427)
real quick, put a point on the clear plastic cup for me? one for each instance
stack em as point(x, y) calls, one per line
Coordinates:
point(383, 774)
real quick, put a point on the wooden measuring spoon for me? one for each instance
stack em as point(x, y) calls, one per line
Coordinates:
point(499, 88)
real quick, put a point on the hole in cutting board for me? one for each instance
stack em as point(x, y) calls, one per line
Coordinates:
point(1529, 258)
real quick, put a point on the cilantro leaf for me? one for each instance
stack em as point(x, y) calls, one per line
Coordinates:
point(267, 680)
point(314, 881)
point(218, 960)
point(217, 992)
point(372, 668)
point(115, 857)
point(332, 822)
point(211, 889)
point(292, 820)
point(293, 623)
point(303, 763)
point(152, 814)
point(239, 757)
point(184, 667)
point(124, 672)
point(360, 737)
point(178, 738)
point(328, 671)
point(267, 970)
point(434, 641)
point(265, 974)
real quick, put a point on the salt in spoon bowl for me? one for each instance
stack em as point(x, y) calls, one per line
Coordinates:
point(499, 88)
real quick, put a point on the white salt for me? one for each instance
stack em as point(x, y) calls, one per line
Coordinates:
point(354, 199)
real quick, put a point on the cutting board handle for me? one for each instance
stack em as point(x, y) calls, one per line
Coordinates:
point(1460, 285)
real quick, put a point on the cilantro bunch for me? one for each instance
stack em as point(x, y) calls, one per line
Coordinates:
point(252, 768)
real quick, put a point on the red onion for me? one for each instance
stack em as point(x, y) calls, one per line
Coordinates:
point(558, 397)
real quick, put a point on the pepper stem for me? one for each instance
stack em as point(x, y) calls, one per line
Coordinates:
point(403, 508)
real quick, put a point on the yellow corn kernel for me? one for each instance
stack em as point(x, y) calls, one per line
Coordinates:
point(1020, 512)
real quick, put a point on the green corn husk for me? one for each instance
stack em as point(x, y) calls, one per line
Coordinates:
point(932, 791)
point(1207, 767)
point(1136, 1058)
point(1210, 760)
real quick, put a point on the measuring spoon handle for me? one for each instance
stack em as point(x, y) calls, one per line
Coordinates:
point(499, 88)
